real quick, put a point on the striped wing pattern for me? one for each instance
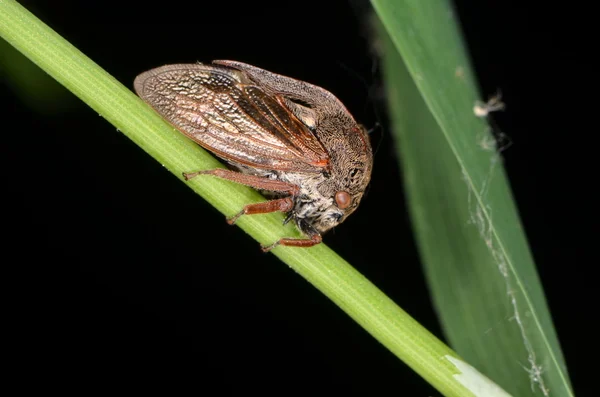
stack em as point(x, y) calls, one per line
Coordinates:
point(232, 117)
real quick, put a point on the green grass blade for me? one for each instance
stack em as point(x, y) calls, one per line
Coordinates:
point(479, 267)
point(360, 299)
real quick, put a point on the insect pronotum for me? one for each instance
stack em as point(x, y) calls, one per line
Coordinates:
point(292, 140)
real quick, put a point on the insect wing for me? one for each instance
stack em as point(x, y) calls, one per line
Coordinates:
point(229, 115)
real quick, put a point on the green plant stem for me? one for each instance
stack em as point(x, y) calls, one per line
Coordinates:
point(322, 267)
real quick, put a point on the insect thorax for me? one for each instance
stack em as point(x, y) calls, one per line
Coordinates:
point(311, 207)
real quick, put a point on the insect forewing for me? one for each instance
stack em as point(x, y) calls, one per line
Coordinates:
point(224, 111)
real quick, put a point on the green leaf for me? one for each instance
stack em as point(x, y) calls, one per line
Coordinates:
point(478, 264)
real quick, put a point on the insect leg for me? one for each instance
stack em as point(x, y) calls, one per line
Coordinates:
point(254, 181)
point(283, 204)
point(294, 242)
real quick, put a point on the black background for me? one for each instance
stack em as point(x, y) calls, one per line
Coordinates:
point(113, 281)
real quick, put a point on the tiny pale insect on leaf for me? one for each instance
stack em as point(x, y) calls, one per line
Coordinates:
point(289, 139)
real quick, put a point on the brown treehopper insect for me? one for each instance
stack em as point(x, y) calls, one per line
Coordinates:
point(293, 141)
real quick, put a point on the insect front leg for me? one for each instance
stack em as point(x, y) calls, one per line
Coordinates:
point(295, 242)
point(314, 238)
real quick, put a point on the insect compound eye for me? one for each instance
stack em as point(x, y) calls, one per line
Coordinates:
point(343, 199)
